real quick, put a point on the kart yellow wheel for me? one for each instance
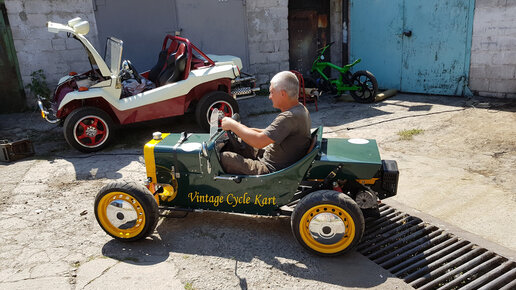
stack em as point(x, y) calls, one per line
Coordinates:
point(328, 223)
point(126, 211)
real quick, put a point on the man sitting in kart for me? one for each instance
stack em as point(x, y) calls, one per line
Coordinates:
point(281, 144)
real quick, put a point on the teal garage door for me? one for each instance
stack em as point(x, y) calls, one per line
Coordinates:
point(419, 46)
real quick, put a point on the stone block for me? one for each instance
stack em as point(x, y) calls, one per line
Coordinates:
point(265, 68)
point(504, 57)
point(284, 45)
point(255, 58)
point(279, 13)
point(79, 6)
point(20, 32)
point(284, 66)
point(481, 57)
point(478, 84)
point(43, 7)
point(72, 43)
point(490, 3)
point(37, 20)
point(58, 44)
point(278, 56)
point(266, 3)
point(14, 6)
point(477, 72)
point(267, 47)
point(492, 94)
point(502, 86)
point(279, 35)
point(500, 72)
point(507, 43)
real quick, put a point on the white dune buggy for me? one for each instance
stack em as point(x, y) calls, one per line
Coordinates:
point(90, 104)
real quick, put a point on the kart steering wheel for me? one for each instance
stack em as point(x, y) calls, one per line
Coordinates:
point(232, 136)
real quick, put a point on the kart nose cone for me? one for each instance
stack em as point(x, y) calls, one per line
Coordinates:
point(156, 136)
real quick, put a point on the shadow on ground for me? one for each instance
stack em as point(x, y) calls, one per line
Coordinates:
point(244, 238)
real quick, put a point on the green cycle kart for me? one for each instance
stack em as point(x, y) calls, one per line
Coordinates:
point(327, 193)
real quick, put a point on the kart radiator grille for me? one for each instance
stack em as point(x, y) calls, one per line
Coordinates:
point(427, 257)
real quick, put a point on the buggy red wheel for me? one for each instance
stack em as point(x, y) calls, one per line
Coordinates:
point(214, 100)
point(91, 131)
point(223, 107)
point(88, 129)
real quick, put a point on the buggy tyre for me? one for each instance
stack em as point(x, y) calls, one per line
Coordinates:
point(88, 129)
point(328, 223)
point(126, 211)
point(214, 100)
point(368, 87)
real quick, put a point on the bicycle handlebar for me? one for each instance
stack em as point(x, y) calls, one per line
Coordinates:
point(323, 49)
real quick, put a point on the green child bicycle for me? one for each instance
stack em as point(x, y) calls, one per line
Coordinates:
point(362, 85)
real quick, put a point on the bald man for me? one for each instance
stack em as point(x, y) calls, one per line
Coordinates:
point(281, 144)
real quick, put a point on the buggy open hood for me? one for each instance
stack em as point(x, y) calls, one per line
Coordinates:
point(79, 28)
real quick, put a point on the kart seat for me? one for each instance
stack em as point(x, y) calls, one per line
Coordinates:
point(312, 143)
point(176, 64)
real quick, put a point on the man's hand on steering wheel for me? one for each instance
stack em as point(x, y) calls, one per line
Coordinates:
point(228, 125)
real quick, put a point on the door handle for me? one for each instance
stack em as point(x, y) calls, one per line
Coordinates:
point(407, 33)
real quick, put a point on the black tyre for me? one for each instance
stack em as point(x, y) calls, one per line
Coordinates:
point(368, 87)
point(126, 211)
point(219, 100)
point(88, 129)
point(328, 223)
point(310, 82)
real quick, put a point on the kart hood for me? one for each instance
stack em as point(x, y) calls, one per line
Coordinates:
point(181, 151)
point(359, 158)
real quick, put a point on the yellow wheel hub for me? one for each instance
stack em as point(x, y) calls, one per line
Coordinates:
point(327, 228)
point(121, 215)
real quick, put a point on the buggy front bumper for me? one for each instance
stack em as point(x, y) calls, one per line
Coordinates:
point(244, 87)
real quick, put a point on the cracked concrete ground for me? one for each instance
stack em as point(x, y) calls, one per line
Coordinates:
point(459, 170)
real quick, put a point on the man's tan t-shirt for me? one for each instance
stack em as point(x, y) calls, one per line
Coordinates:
point(290, 132)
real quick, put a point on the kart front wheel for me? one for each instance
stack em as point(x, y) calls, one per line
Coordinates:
point(126, 211)
point(88, 129)
point(211, 101)
point(328, 223)
point(367, 87)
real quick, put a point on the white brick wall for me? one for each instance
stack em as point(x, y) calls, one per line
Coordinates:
point(268, 38)
point(37, 48)
point(493, 49)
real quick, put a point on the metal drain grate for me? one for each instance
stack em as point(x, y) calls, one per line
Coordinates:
point(427, 257)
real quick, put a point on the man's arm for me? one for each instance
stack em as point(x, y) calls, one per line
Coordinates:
point(252, 136)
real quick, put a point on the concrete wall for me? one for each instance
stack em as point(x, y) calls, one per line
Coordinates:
point(267, 27)
point(493, 49)
point(39, 49)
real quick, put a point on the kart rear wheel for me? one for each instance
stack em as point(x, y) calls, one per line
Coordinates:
point(88, 129)
point(368, 87)
point(328, 223)
point(214, 100)
point(126, 211)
